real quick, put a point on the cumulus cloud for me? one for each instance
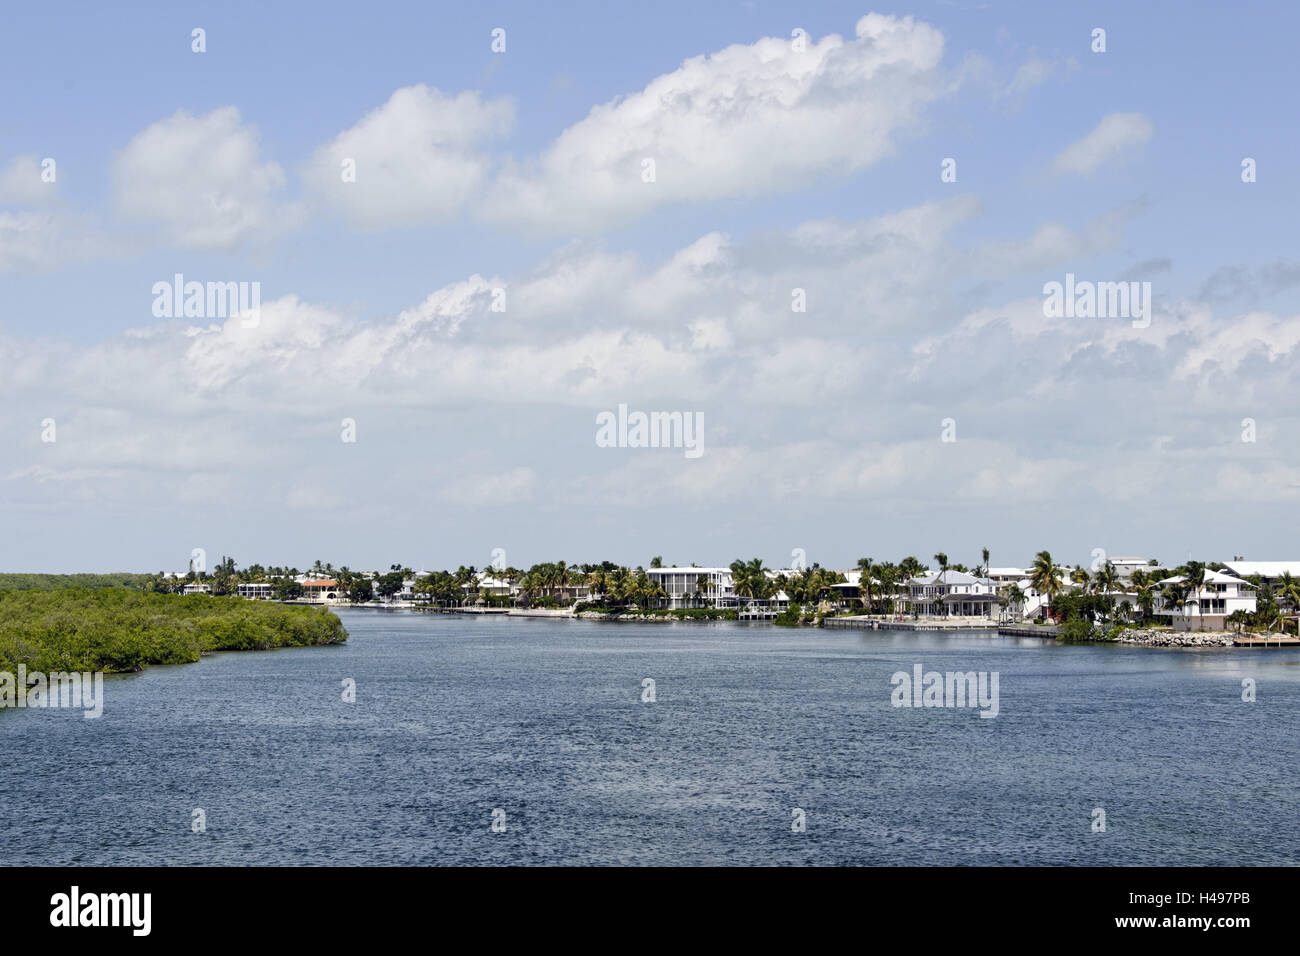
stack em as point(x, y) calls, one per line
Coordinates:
point(202, 181)
point(747, 120)
point(463, 410)
point(413, 160)
point(1115, 133)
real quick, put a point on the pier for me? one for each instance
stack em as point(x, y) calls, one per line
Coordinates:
point(1267, 641)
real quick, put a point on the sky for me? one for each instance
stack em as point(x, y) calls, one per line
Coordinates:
point(825, 232)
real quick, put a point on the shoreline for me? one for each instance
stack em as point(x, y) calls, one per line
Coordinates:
point(1133, 637)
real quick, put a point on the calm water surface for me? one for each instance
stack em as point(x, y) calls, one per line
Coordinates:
point(456, 716)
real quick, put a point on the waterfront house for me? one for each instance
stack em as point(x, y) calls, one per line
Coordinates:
point(1206, 608)
point(196, 588)
point(694, 587)
point(256, 590)
point(321, 590)
point(953, 594)
point(490, 586)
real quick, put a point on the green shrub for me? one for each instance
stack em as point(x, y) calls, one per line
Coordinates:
point(115, 630)
point(1076, 629)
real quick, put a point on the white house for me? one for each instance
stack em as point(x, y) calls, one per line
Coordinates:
point(1207, 608)
point(256, 590)
point(953, 594)
point(682, 585)
point(491, 586)
point(322, 590)
point(1002, 576)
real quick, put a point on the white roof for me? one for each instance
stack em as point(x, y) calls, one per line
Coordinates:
point(688, 570)
point(1211, 577)
point(1267, 569)
point(950, 577)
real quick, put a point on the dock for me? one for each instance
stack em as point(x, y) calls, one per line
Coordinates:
point(1243, 641)
point(920, 624)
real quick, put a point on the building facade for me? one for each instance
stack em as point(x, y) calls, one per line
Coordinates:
point(953, 594)
point(694, 587)
point(1205, 608)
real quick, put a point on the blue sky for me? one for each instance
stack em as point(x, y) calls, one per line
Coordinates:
point(477, 429)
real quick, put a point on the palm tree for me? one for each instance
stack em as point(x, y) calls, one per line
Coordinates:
point(1045, 576)
point(1105, 582)
point(1143, 585)
point(887, 573)
point(1174, 594)
point(940, 559)
point(865, 568)
point(1015, 597)
point(1195, 581)
point(749, 579)
point(1106, 578)
point(984, 553)
point(1288, 590)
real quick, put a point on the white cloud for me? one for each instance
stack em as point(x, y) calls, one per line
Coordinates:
point(1114, 134)
point(1034, 72)
point(415, 158)
point(30, 240)
point(462, 409)
point(203, 181)
point(21, 183)
point(746, 120)
point(39, 232)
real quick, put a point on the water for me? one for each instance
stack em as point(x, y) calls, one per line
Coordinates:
point(457, 716)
